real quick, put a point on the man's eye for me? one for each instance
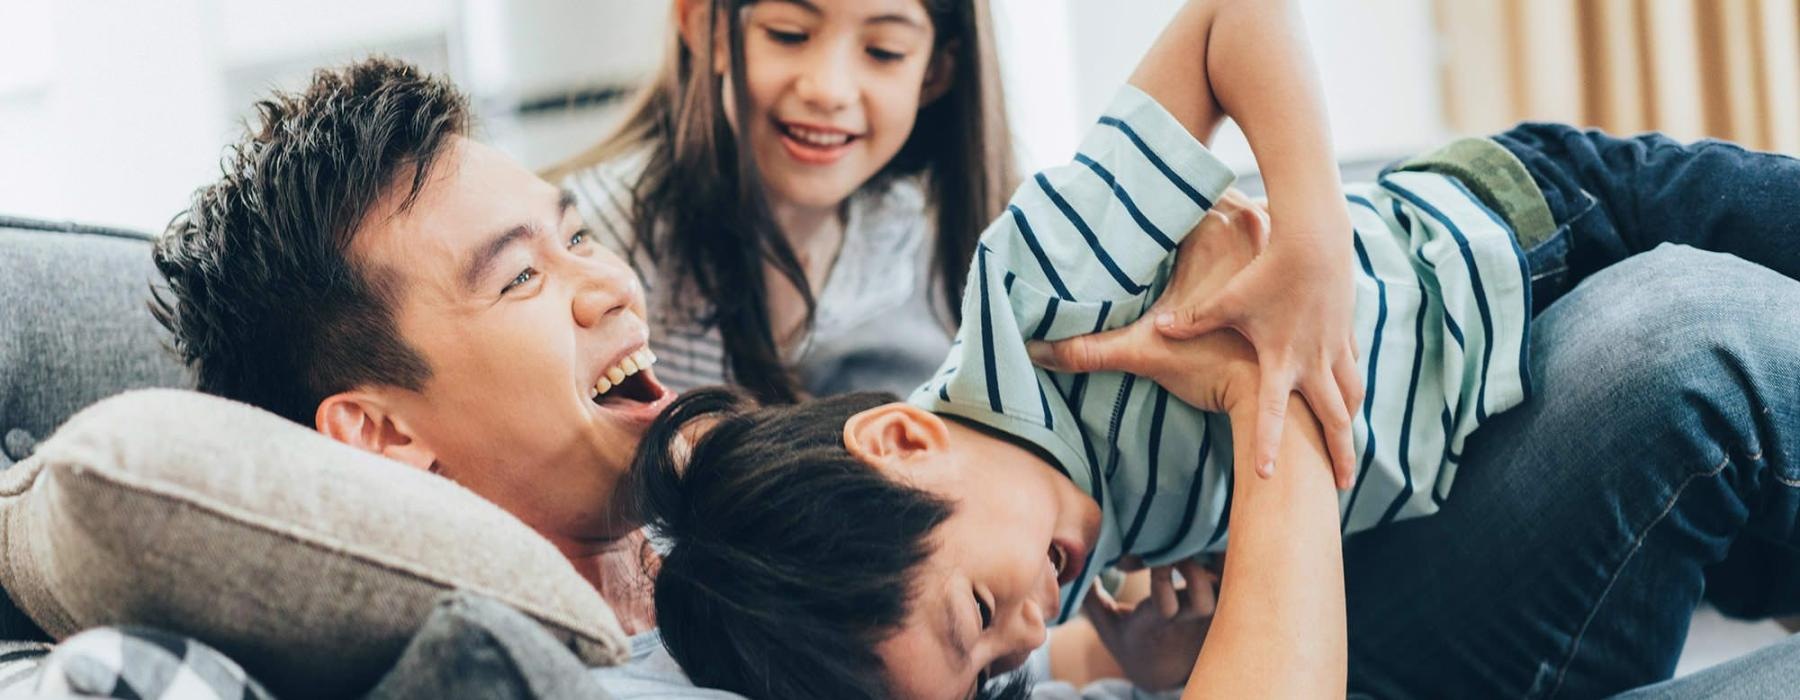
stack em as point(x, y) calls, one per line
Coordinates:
point(987, 613)
point(580, 237)
point(524, 276)
point(786, 37)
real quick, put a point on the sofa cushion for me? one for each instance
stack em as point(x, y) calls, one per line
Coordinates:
point(475, 647)
point(74, 327)
point(309, 562)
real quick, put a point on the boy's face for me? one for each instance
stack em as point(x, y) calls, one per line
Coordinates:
point(519, 313)
point(983, 600)
point(835, 87)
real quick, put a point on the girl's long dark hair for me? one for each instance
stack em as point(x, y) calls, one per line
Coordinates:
point(708, 191)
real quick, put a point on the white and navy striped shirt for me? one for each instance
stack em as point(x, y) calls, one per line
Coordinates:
point(1442, 310)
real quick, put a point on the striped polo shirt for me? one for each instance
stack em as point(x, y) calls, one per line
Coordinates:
point(1442, 311)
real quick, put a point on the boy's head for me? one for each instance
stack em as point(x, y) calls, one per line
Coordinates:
point(853, 546)
point(363, 267)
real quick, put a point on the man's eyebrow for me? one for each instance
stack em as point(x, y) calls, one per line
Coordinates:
point(565, 202)
point(483, 260)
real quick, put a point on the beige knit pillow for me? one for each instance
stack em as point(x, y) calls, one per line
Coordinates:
point(309, 562)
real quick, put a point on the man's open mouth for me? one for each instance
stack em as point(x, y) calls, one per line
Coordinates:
point(630, 380)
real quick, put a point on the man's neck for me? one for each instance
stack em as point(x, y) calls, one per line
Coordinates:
point(623, 570)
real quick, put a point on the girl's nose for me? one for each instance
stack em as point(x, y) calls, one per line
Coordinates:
point(828, 84)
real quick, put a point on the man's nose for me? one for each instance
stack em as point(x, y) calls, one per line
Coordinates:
point(603, 292)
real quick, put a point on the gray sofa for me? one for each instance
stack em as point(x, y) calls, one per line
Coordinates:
point(74, 325)
point(74, 329)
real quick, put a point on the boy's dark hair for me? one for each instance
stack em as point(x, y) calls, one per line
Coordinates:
point(789, 558)
point(263, 298)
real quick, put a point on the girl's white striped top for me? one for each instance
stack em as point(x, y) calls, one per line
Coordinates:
point(1442, 313)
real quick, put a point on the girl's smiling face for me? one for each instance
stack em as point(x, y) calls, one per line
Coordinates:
point(835, 87)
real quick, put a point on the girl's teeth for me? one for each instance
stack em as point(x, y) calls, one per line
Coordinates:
point(615, 375)
point(629, 365)
point(818, 138)
point(604, 386)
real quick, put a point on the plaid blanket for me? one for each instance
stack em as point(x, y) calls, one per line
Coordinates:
point(123, 662)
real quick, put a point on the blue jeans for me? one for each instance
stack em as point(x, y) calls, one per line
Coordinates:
point(1662, 442)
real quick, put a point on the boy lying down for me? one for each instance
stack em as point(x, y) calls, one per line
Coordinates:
point(982, 506)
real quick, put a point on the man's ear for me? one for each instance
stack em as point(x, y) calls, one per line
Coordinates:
point(363, 420)
point(695, 21)
point(895, 435)
point(940, 74)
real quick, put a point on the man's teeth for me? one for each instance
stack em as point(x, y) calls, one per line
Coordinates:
point(824, 139)
point(632, 364)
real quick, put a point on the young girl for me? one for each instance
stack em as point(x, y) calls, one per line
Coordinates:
point(800, 189)
point(803, 175)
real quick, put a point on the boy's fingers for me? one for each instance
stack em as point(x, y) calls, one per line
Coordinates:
point(1324, 396)
point(1201, 600)
point(1162, 591)
point(1099, 604)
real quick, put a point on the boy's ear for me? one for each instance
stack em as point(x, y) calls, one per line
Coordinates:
point(694, 19)
point(362, 419)
point(895, 435)
point(940, 74)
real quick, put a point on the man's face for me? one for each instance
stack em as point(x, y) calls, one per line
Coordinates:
point(521, 316)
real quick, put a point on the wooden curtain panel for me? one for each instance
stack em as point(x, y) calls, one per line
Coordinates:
point(1691, 68)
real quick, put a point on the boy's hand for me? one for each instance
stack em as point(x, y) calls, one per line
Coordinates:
point(1295, 304)
point(1155, 641)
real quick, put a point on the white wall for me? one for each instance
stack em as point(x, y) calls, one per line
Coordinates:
point(113, 111)
point(1376, 58)
point(125, 123)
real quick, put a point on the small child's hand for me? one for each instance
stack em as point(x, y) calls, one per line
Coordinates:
point(1156, 640)
point(1295, 304)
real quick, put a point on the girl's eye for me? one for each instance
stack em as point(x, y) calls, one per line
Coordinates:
point(580, 237)
point(885, 56)
point(785, 37)
point(524, 276)
point(987, 613)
